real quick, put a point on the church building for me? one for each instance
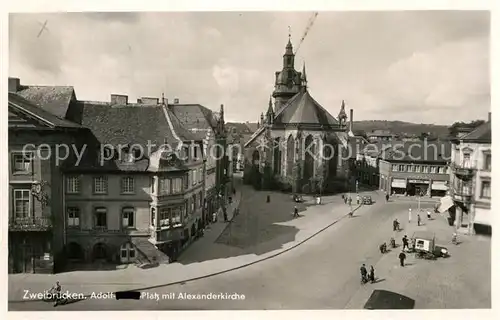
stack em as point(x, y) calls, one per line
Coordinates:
point(299, 145)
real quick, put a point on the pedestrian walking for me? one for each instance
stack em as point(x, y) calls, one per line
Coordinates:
point(386, 197)
point(295, 212)
point(224, 211)
point(358, 199)
point(402, 258)
point(345, 199)
point(409, 215)
point(405, 242)
point(418, 219)
point(372, 274)
point(349, 201)
point(364, 273)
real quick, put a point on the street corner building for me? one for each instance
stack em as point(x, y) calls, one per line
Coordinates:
point(469, 201)
point(133, 188)
point(299, 146)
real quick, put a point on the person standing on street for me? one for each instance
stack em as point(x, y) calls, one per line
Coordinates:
point(295, 212)
point(409, 215)
point(428, 214)
point(402, 258)
point(349, 201)
point(405, 242)
point(418, 219)
point(363, 273)
point(357, 199)
point(372, 274)
point(386, 197)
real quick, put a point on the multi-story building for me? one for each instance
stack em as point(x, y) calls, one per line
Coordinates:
point(36, 209)
point(471, 180)
point(381, 136)
point(367, 162)
point(203, 124)
point(415, 168)
point(136, 192)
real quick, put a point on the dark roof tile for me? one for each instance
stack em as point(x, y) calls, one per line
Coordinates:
point(55, 99)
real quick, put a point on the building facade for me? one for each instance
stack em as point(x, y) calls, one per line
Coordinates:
point(209, 127)
point(36, 208)
point(137, 193)
point(471, 180)
point(415, 168)
point(298, 143)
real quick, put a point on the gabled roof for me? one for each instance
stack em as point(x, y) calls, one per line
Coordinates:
point(133, 124)
point(194, 117)
point(20, 104)
point(55, 99)
point(303, 109)
point(481, 133)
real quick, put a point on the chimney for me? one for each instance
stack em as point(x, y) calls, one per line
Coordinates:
point(14, 84)
point(176, 100)
point(150, 101)
point(489, 113)
point(119, 99)
point(351, 115)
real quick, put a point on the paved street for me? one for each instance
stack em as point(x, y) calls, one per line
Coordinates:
point(323, 273)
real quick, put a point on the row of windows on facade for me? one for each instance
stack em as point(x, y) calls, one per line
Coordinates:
point(127, 185)
point(419, 168)
point(186, 152)
point(23, 200)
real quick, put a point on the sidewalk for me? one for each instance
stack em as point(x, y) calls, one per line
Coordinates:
point(315, 219)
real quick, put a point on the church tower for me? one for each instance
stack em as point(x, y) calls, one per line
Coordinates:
point(288, 81)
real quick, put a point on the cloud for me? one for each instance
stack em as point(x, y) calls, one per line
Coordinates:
point(384, 64)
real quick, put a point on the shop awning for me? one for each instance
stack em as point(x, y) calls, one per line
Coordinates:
point(446, 203)
point(482, 216)
point(439, 185)
point(398, 184)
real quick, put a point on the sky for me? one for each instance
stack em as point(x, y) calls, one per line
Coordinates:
point(415, 66)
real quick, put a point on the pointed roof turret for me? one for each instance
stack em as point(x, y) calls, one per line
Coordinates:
point(342, 114)
point(304, 76)
point(270, 108)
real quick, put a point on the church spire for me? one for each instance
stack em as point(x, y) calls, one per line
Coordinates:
point(270, 112)
point(304, 77)
point(342, 114)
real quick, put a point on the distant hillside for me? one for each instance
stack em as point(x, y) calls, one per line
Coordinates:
point(399, 127)
point(396, 127)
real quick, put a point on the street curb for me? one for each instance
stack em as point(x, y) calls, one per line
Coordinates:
point(223, 271)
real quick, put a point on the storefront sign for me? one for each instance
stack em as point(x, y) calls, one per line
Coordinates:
point(418, 181)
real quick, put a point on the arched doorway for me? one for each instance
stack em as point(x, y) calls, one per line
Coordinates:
point(75, 252)
point(290, 155)
point(127, 253)
point(99, 252)
point(308, 159)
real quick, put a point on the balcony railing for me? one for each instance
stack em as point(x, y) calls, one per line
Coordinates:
point(30, 224)
point(464, 169)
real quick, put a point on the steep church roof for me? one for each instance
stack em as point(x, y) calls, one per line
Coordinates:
point(303, 109)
